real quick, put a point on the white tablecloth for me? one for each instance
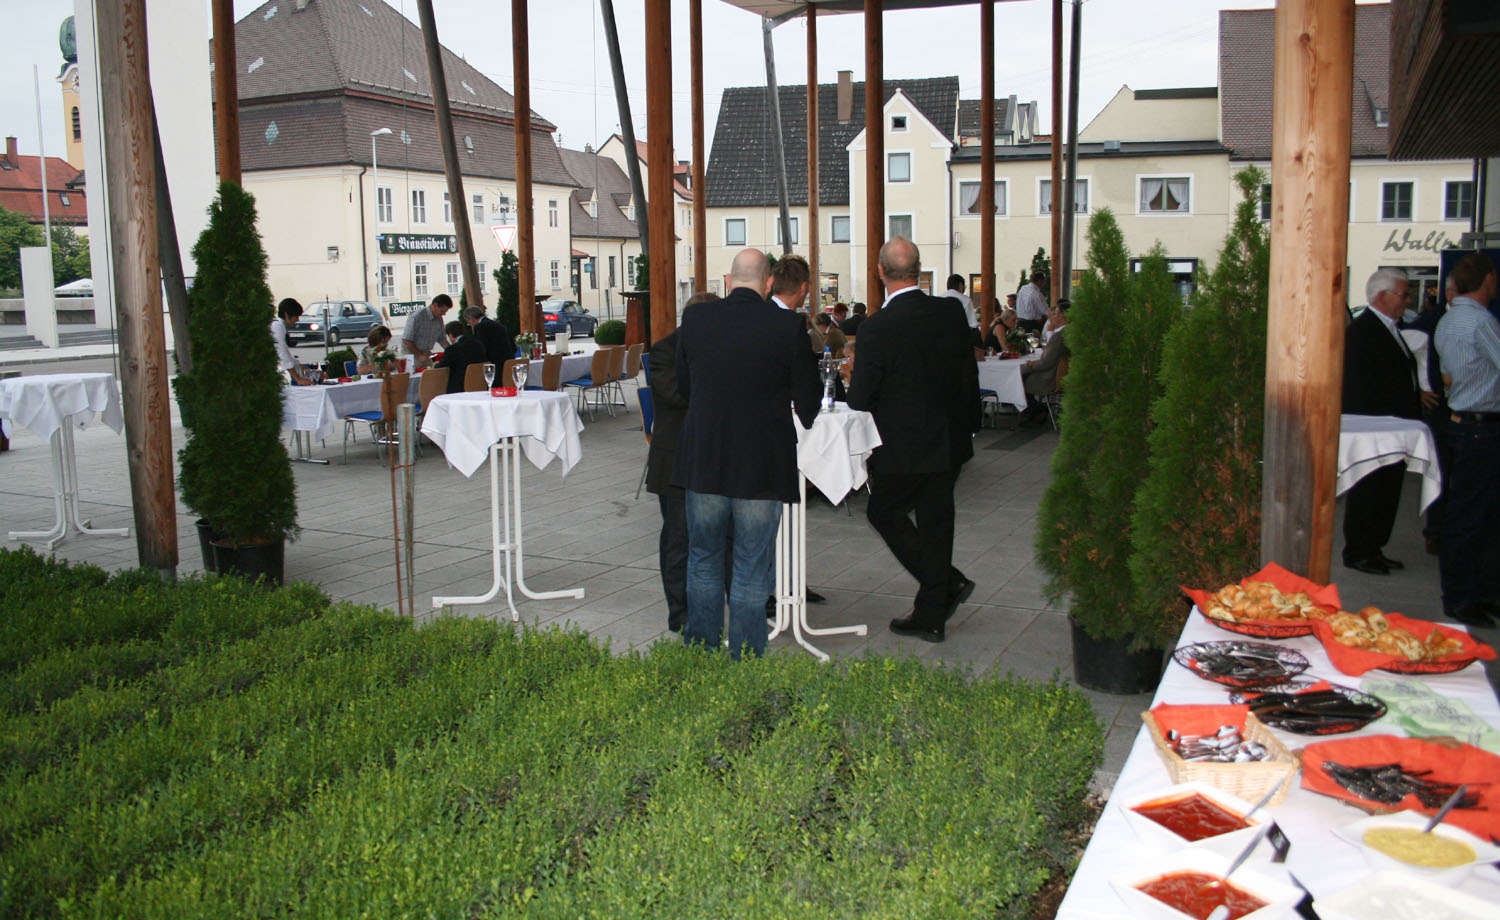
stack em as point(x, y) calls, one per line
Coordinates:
point(1321, 861)
point(573, 367)
point(1003, 375)
point(318, 408)
point(1368, 442)
point(40, 402)
point(464, 425)
point(832, 453)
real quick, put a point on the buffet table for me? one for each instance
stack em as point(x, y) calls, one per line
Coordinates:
point(470, 427)
point(1368, 442)
point(1003, 375)
point(51, 405)
point(1320, 861)
point(832, 456)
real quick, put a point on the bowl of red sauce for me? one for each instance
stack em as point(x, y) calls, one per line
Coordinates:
point(1194, 815)
point(1191, 884)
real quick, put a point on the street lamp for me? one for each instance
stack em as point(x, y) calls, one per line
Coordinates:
point(375, 182)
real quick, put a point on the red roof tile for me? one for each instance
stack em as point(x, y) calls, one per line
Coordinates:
point(21, 189)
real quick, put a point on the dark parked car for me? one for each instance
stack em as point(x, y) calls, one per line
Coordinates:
point(345, 320)
point(567, 316)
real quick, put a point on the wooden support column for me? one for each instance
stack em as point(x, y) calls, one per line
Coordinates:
point(700, 194)
point(986, 163)
point(130, 187)
point(813, 260)
point(1057, 164)
point(531, 318)
point(442, 111)
point(659, 167)
point(1313, 79)
point(226, 92)
point(874, 153)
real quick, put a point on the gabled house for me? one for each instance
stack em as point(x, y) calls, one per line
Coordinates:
point(604, 237)
point(682, 208)
point(21, 188)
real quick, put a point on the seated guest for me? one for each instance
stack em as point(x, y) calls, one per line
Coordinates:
point(1004, 322)
point(840, 313)
point(851, 326)
point(833, 336)
point(463, 349)
point(379, 340)
point(1055, 319)
point(1039, 377)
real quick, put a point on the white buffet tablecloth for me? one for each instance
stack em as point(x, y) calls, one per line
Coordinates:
point(318, 408)
point(40, 402)
point(833, 452)
point(544, 423)
point(1368, 442)
point(1003, 375)
point(1321, 861)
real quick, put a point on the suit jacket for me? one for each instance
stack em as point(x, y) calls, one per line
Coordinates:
point(851, 325)
point(1041, 378)
point(671, 409)
point(457, 358)
point(1380, 377)
point(499, 346)
point(741, 364)
point(914, 370)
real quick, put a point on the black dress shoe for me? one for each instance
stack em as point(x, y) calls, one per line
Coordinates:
point(958, 594)
point(909, 626)
point(1472, 615)
point(1370, 566)
point(814, 597)
point(1389, 563)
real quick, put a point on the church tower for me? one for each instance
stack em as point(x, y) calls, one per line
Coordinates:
point(72, 107)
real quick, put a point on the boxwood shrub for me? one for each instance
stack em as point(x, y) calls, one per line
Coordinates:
point(610, 332)
point(347, 763)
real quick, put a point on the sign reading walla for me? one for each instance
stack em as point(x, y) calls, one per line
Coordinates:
point(399, 243)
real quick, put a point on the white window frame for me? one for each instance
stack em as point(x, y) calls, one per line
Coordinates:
point(476, 205)
point(889, 154)
point(796, 228)
point(421, 280)
point(629, 272)
point(1410, 218)
point(1473, 205)
point(455, 277)
point(555, 274)
point(387, 284)
point(552, 215)
point(385, 204)
point(419, 205)
point(447, 209)
point(1002, 199)
point(833, 234)
point(1192, 181)
point(1088, 204)
point(744, 222)
point(909, 216)
point(905, 123)
point(484, 277)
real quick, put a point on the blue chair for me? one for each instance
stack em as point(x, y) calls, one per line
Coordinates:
point(648, 415)
point(597, 380)
point(646, 367)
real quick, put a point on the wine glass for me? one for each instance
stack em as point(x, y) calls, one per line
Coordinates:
point(489, 375)
point(518, 374)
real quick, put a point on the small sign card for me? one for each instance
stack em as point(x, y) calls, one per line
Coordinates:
point(502, 391)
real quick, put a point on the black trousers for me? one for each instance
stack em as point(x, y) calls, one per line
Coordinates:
point(924, 548)
point(1370, 512)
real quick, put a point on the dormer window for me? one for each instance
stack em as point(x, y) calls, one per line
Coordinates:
point(594, 209)
point(898, 122)
point(1382, 117)
point(630, 212)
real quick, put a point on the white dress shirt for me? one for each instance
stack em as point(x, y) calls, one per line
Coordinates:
point(284, 359)
point(968, 306)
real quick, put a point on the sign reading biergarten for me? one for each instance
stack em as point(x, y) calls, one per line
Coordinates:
point(417, 243)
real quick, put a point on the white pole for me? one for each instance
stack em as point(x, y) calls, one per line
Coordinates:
point(375, 182)
point(41, 149)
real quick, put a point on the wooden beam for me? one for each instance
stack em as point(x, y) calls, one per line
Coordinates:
point(659, 167)
point(226, 92)
point(986, 163)
point(443, 113)
point(1057, 164)
point(813, 260)
point(700, 194)
point(531, 317)
point(1313, 78)
point(874, 153)
point(130, 190)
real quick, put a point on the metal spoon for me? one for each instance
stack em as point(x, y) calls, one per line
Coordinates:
point(1447, 807)
point(1222, 911)
point(1266, 798)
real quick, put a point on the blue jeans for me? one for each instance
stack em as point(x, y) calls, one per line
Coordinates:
point(1470, 552)
point(712, 520)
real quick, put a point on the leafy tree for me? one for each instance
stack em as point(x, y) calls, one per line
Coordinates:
point(1040, 263)
point(642, 273)
point(70, 256)
point(1197, 518)
point(1115, 332)
point(508, 292)
point(16, 232)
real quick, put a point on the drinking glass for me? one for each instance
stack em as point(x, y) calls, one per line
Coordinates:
point(518, 374)
point(489, 375)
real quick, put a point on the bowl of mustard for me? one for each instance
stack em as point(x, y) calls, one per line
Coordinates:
point(1396, 841)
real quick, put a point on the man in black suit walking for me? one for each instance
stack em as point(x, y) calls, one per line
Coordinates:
point(1380, 378)
point(499, 347)
point(741, 365)
point(914, 370)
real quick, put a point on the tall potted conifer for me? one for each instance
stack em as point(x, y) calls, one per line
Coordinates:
point(235, 471)
point(1115, 331)
point(1197, 517)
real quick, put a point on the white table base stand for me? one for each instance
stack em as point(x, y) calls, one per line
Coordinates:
point(506, 554)
point(65, 497)
point(302, 442)
point(791, 577)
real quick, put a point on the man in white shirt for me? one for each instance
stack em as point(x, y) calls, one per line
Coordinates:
point(287, 314)
point(424, 329)
point(956, 291)
point(1031, 304)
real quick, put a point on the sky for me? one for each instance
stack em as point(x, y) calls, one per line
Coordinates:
point(1146, 44)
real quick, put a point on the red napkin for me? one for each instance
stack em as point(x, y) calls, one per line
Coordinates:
point(1357, 661)
point(1285, 582)
point(1461, 764)
point(1201, 719)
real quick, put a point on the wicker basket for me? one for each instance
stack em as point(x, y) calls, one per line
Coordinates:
point(1249, 781)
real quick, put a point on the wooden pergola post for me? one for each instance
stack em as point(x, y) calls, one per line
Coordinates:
point(530, 315)
point(130, 184)
point(1313, 80)
point(874, 153)
point(700, 194)
point(226, 92)
point(1057, 166)
point(659, 167)
point(812, 161)
point(986, 163)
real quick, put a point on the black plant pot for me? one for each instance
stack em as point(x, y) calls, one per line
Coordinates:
point(206, 536)
point(251, 560)
point(1106, 665)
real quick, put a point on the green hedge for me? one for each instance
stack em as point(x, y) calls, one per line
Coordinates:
point(610, 332)
point(347, 764)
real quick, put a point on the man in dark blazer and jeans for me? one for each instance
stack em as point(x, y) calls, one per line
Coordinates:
point(914, 370)
point(741, 365)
